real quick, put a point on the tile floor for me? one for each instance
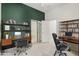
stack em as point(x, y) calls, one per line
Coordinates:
point(37, 49)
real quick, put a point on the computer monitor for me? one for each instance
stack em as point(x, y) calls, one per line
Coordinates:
point(68, 33)
point(18, 35)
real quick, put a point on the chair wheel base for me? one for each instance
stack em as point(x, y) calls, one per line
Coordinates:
point(62, 54)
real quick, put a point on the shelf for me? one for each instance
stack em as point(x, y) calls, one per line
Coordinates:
point(76, 32)
point(62, 31)
point(15, 24)
point(63, 24)
point(16, 30)
point(63, 28)
point(72, 32)
point(69, 28)
point(12, 28)
point(69, 21)
point(71, 25)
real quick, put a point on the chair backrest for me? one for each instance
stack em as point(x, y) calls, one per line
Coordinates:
point(21, 43)
point(55, 40)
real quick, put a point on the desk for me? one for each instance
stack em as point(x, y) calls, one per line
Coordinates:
point(73, 41)
point(8, 43)
point(0, 45)
point(70, 39)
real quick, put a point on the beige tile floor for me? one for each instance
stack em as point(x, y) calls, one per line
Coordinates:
point(37, 49)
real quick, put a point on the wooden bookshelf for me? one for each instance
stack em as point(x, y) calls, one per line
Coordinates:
point(70, 26)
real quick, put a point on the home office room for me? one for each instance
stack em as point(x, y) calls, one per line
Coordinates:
point(39, 29)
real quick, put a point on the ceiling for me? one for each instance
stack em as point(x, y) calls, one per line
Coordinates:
point(44, 7)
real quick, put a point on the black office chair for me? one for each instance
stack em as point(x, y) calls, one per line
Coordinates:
point(21, 43)
point(59, 46)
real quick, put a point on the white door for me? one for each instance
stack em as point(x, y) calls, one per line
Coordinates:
point(45, 31)
point(39, 24)
point(34, 31)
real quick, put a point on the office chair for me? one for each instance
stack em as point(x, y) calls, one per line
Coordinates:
point(60, 46)
point(21, 43)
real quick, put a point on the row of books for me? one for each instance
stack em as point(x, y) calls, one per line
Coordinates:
point(71, 30)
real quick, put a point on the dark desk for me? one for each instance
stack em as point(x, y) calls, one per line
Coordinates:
point(73, 41)
point(8, 43)
point(69, 39)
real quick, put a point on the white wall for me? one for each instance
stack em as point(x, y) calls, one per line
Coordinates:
point(52, 29)
point(0, 21)
point(48, 27)
point(63, 13)
point(0, 12)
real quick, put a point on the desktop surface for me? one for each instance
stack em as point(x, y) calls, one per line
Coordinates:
point(70, 39)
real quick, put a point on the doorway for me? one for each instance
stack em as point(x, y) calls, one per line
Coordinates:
point(36, 31)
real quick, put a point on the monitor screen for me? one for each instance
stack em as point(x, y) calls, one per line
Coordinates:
point(68, 33)
point(18, 35)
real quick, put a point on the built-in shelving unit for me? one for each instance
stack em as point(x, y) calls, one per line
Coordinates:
point(8, 31)
point(70, 26)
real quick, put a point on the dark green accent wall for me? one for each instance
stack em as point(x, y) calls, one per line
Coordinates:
point(20, 12)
